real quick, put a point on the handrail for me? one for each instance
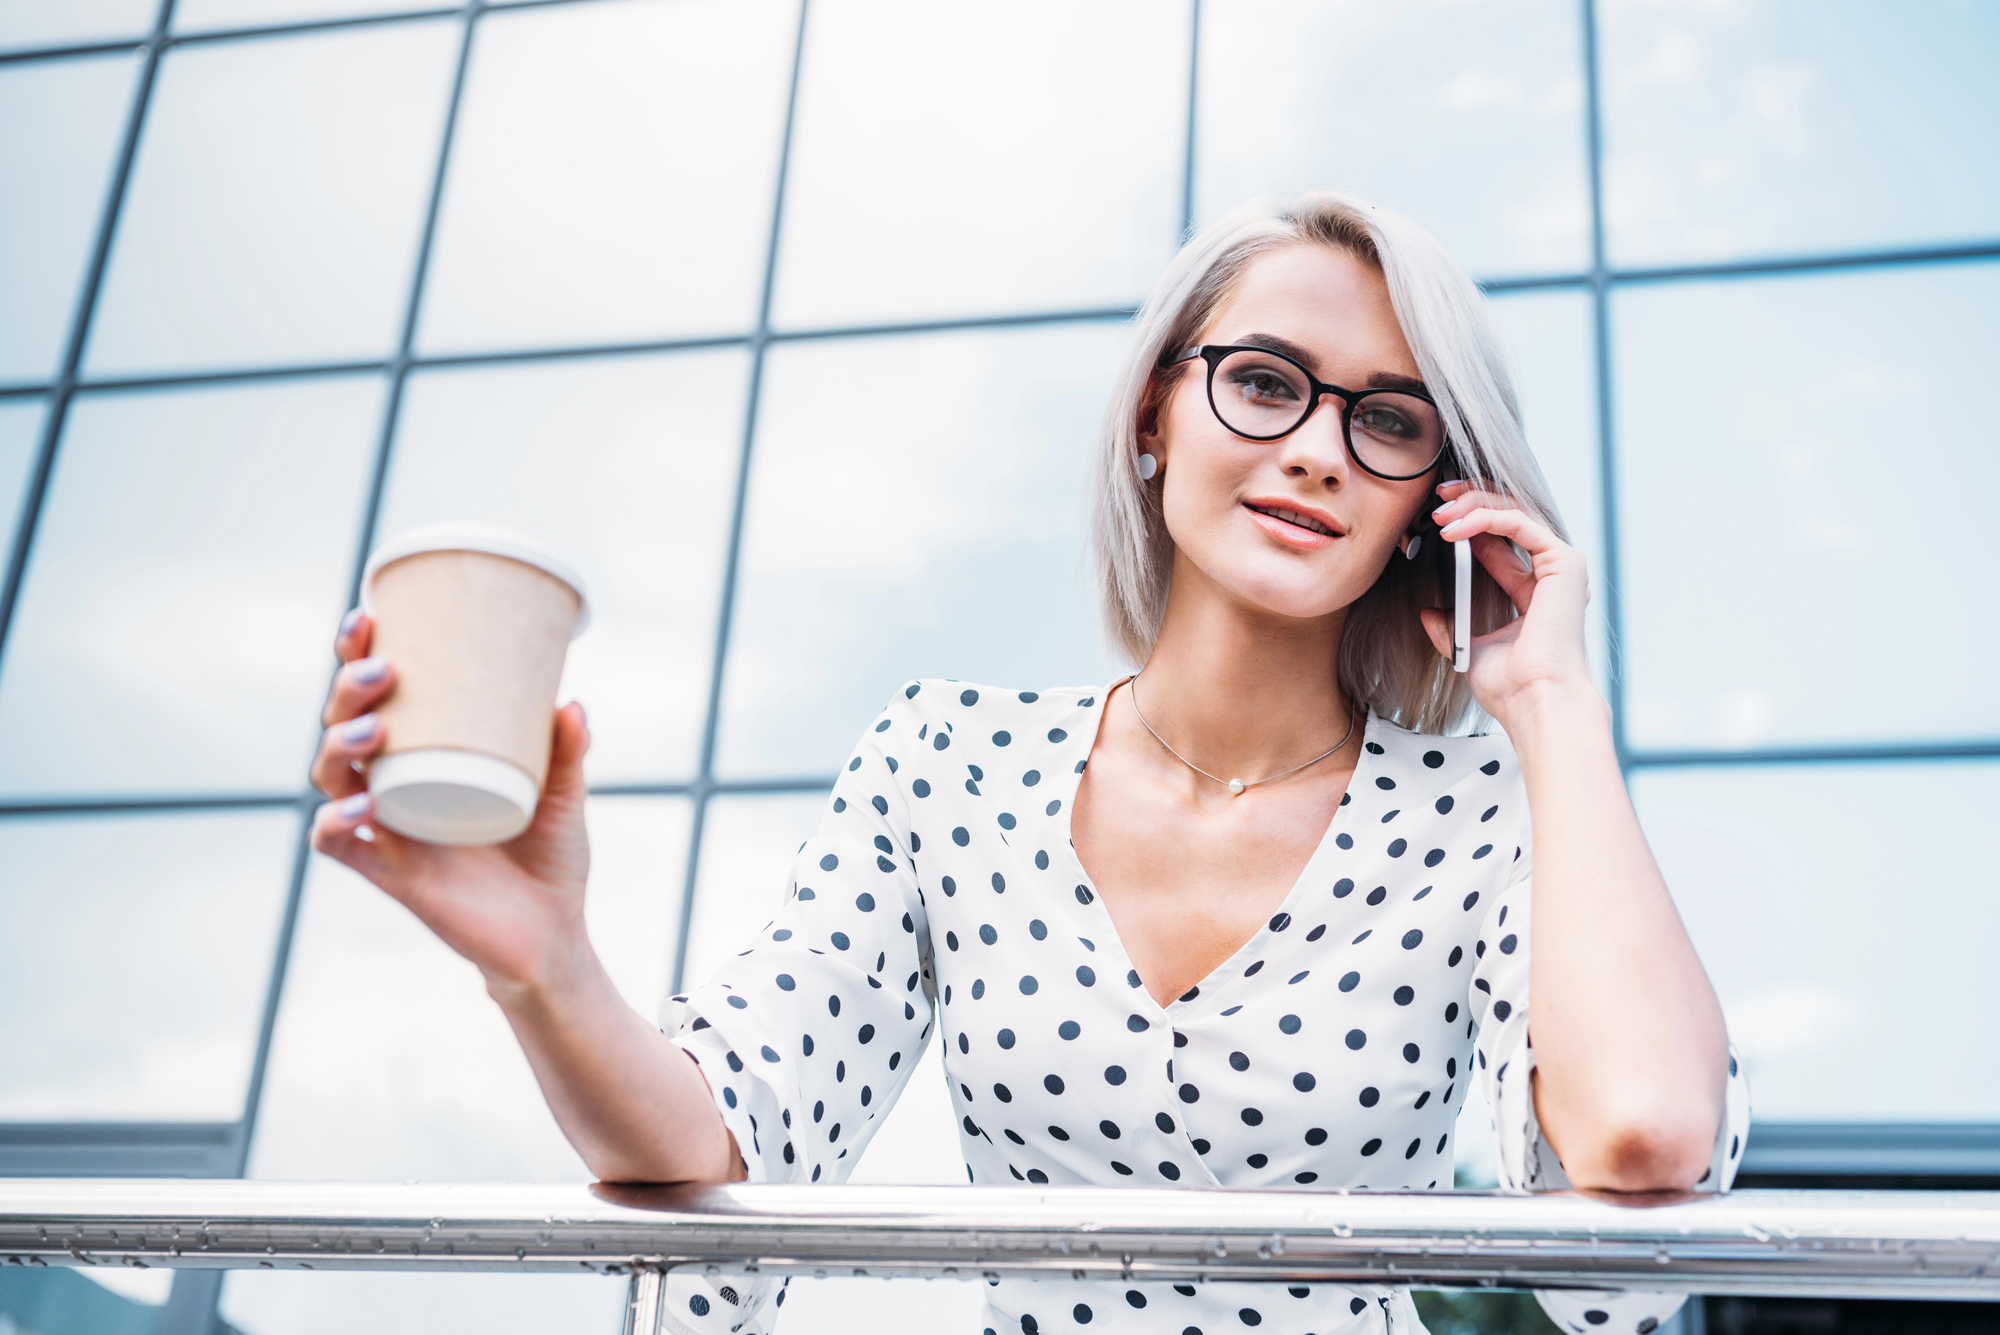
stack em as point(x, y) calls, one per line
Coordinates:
point(1868, 1244)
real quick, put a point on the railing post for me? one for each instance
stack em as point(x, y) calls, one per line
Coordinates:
point(645, 1301)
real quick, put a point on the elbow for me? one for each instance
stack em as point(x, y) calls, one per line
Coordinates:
point(1645, 1154)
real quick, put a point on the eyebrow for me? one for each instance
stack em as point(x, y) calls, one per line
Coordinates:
point(1376, 380)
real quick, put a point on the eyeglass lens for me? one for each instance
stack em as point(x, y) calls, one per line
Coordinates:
point(1264, 396)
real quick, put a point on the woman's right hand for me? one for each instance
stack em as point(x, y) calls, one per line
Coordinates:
point(514, 909)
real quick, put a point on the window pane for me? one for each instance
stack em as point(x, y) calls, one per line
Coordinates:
point(1468, 118)
point(1786, 452)
point(39, 23)
point(96, 1301)
point(945, 539)
point(1844, 913)
point(199, 15)
point(134, 961)
point(61, 122)
point(580, 209)
point(390, 1063)
point(338, 1302)
point(277, 202)
point(626, 465)
point(1013, 157)
point(20, 434)
point(1778, 125)
point(1549, 341)
point(175, 627)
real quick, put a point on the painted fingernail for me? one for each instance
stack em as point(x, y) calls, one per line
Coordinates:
point(358, 730)
point(350, 808)
point(349, 622)
point(1439, 512)
point(368, 671)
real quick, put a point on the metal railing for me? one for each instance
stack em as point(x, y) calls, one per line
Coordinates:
point(1866, 1244)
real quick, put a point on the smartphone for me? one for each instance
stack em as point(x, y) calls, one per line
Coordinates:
point(1461, 608)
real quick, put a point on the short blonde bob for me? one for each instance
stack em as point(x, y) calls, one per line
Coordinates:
point(1386, 661)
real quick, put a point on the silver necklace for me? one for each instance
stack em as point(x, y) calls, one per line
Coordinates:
point(1235, 786)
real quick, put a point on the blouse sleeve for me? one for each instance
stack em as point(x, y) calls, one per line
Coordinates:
point(807, 1037)
point(1499, 1002)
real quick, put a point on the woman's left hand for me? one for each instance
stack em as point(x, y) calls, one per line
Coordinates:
point(1542, 647)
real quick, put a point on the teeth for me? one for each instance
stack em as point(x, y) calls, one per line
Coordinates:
point(1291, 517)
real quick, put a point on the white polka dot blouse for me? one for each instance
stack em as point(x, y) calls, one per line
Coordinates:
point(1333, 1050)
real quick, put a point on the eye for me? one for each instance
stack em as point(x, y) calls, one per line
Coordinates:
point(1386, 420)
point(1258, 384)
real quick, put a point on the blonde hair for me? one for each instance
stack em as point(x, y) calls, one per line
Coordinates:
point(1386, 660)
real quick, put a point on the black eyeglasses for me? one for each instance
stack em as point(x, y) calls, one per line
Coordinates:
point(1396, 434)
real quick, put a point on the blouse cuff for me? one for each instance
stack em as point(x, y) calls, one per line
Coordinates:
point(698, 1304)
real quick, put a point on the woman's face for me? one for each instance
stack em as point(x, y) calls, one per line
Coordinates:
point(1331, 312)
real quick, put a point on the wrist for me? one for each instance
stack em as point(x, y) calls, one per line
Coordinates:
point(552, 980)
point(1561, 705)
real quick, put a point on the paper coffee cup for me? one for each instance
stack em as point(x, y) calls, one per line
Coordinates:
point(476, 621)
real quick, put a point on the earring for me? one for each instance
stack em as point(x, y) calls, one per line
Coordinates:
point(1149, 467)
point(1416, 540)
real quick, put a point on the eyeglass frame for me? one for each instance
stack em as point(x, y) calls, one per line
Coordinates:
point(1214, 353)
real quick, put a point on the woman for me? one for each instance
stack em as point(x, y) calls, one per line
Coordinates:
point(1248, 918)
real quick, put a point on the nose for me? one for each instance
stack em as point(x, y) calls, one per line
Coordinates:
point(1318, 449)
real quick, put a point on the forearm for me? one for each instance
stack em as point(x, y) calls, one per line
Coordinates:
point(1629, 1041)
point(629, 1099)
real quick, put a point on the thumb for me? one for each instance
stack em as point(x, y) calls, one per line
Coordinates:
point(1437, 625)
point(566, 752)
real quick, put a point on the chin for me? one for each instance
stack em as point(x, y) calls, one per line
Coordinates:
point(1296, 594)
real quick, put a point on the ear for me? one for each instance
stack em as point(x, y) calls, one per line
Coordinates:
point(1150, 405)
point(1437, 625)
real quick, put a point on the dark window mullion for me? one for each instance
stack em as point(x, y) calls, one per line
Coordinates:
point(760, 342)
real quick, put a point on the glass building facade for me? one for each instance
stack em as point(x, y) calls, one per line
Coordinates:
point(280, 278)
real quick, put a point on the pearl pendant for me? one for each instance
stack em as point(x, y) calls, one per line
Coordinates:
point(1236, 787)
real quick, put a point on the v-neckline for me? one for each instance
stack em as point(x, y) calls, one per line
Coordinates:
point(1074, 781)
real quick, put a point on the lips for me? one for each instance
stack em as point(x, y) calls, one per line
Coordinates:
point(1295, 518)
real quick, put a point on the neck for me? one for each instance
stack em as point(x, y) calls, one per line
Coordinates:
point(1239, 692)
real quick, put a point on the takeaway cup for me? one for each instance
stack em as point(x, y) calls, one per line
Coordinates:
point(477, 622)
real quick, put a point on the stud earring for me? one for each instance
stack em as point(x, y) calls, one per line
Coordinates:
point(1415, 541)
point(1149, 467)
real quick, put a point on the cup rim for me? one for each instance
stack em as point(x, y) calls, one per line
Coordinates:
point(468, 537)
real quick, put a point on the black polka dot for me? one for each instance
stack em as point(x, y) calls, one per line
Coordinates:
point(1069, 1029)
point(1135, 1298)
point(1252, 1117)
point(1080, 1314)
point(1250, 1316)
point(1289, 1024)
point(1356, 1039)
point(1303, 1082)
point(1114, 1075)
point(1028, 985)
point(1239, 1061)
point(1349, 981)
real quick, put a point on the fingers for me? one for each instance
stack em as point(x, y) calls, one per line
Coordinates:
point(357, 687)
point(1520, 527)
point(342, 749)
point(341, 830)
point(1497, 555)
point(351, 641)
point(1464, 499)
